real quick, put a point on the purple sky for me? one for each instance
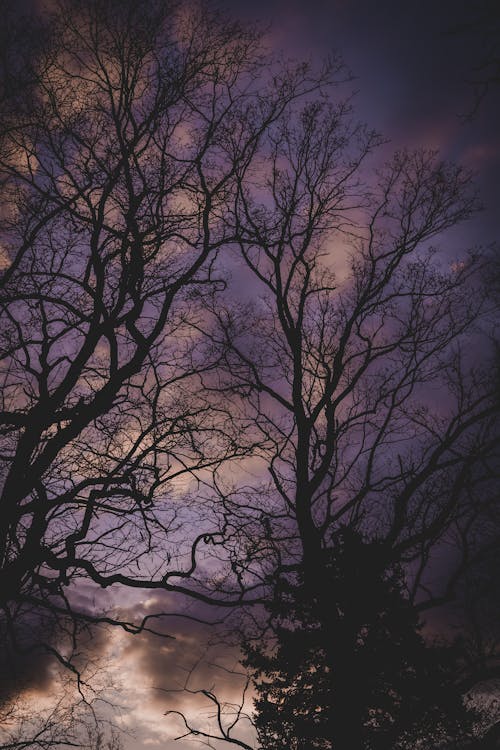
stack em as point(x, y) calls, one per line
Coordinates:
point(412, 63)
point(411, 69)
point(411, 75)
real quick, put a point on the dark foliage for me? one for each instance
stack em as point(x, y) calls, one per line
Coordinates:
point(369, 643)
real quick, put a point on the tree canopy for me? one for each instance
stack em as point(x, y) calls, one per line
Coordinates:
point(236, 365)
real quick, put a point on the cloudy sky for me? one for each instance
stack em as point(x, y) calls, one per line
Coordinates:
point(413, 65)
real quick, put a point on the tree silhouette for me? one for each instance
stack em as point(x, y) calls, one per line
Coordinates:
point(353, 362)
point(117, 172)
point(400, 690)
point(146, 140)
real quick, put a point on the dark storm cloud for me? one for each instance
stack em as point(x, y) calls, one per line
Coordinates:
point(187, 655)
point(31, 642)
point(24, 662)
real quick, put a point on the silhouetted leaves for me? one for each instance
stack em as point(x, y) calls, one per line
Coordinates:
point(349, 663)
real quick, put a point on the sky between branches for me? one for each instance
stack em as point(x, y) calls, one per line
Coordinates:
point(413, 64)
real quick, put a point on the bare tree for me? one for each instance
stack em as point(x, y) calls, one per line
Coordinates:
point(157, 136)
point(356, 366)
point(118, 175)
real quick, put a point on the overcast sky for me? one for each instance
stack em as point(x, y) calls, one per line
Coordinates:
point(412, 64)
